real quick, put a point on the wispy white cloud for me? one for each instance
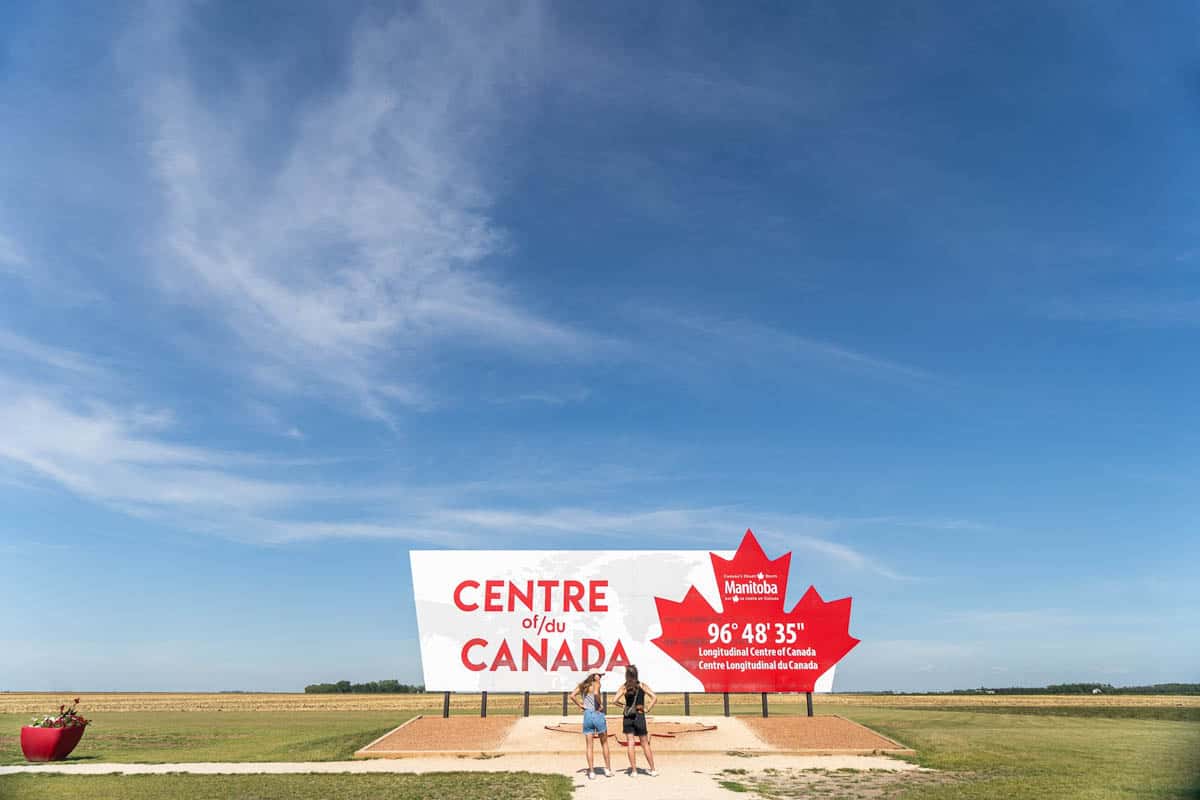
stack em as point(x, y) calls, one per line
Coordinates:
point(950, 524)
point(12, 257)
point(668, 522)
point(785, 535)
point(672, 78)
point(268, 417)
point(709, 340)
point(1039, 619)
point(340, 264)
point(68, 420)
point(368, 244)
point(42, 355)
point(50, 285)
point(683, 525)
point(73, 426)
point(122, 458)
point(131, 461)
point(128, 460)
point(277, 531)
point(1138, 308)
point(561, 397)
point(904, 651)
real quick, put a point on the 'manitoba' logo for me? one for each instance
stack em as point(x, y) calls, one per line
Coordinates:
point(753, 587)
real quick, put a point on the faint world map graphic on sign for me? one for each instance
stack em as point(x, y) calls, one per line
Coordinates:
point(534, 620)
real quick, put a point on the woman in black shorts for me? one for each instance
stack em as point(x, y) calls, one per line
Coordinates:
point(636, 700)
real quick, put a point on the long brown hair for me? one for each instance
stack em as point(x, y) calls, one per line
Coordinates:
point(631, 679)
point(585, 685)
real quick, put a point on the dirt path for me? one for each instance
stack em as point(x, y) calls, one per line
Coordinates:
point(681, 777)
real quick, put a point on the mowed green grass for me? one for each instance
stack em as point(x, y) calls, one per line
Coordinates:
point(1035, 755)
point(1084, 752)
point(434, 786)
point(162, 737)
point(1081, 752)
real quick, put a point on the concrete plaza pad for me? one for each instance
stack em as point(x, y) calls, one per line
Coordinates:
point(472, 736)
point(681, 776)
point(530, 734)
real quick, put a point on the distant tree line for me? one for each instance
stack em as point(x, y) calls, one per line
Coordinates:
point(1087, 688)
point(1065, 688)
point(371, 687)
point(1162, 688)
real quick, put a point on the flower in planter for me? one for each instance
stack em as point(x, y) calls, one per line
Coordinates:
point(65, 718)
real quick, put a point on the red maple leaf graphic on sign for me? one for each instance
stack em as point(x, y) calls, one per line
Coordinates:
point(752, 644)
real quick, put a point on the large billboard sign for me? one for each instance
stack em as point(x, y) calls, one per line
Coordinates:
point(692, 621)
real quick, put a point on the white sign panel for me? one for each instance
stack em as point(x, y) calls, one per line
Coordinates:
point(537, 620)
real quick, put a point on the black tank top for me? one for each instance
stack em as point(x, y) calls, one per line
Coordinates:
point(635, 699)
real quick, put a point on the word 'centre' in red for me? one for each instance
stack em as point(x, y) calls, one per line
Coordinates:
point(547, 596)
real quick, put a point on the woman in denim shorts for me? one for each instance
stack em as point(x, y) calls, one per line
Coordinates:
point(587, 696)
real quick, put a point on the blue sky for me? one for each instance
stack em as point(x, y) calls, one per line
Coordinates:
point(287, 289)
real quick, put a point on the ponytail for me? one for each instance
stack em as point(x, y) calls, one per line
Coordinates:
point(631, 679)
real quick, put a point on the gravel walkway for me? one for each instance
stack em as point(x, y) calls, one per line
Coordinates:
point(681, 777)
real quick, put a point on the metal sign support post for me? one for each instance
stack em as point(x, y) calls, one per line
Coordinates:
point(809, 703)
point(726, 703)
point(564, 704)
point(483, 705)
point(764, 704)
point(687, 704)
point(527, 704)
point(446, 705)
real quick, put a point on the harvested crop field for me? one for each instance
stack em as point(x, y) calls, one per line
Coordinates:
point(32, 703)
point(949, 701)
point(500, 705)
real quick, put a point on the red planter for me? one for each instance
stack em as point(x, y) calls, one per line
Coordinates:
point(49, 744)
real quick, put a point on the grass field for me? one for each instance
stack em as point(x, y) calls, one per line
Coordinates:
point(1091, 748)
point(159, 737)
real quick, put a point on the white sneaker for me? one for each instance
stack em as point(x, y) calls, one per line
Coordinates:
point(590, 775)
point(653, 773)
point(633, 772)
point(608, 773)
